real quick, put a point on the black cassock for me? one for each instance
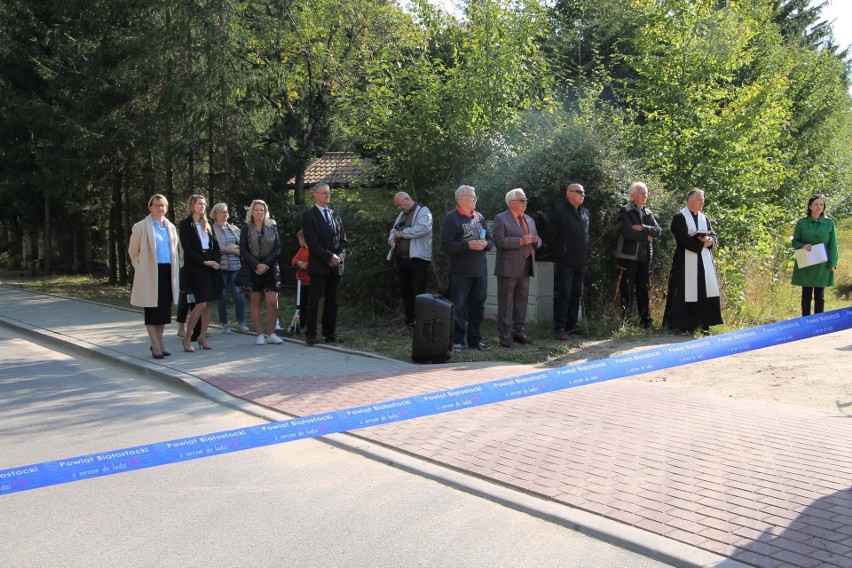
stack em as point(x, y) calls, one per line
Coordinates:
point(679, 313)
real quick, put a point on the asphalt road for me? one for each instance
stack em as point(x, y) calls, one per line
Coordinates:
point(304, 503)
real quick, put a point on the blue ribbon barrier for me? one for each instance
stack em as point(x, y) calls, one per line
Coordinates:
point(17, 479)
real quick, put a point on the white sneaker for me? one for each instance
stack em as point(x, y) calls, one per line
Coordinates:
point(243, 328)
point(278, 326)
point(274, 339)
point(226, 328)
point(261, 339)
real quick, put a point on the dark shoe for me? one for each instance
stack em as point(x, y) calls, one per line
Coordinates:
point(521, 338)
point(154, 355)
point(481, 346)
point(507, 343)
point(311, 341)
point(166, 353)
point(334, 339)
point(561, 335)
point(576, 331)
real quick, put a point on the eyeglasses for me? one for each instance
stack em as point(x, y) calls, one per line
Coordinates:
point(522, 200)
point(470, 195)
point(580, 191)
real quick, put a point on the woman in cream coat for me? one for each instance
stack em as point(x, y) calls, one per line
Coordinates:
point(153, 253)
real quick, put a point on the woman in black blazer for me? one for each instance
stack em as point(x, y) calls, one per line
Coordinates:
point(200, 270)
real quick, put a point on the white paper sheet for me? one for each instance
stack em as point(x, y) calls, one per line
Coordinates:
point(816, 255)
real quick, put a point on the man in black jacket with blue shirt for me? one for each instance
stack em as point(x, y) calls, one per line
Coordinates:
point(326, 242)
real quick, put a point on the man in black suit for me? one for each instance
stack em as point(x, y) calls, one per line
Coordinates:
point(326, 241)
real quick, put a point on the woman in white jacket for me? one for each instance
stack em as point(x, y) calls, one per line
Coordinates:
point(153, 253)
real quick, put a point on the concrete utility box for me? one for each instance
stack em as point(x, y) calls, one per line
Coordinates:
point(540, 303)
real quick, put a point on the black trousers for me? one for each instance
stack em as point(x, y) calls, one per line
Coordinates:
point(322, 286)
point(818, 295)
point(413, 274)
point(634, 289)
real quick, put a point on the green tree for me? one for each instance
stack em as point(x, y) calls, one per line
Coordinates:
point(448, 91)
point(307, 57)
point(709, 106)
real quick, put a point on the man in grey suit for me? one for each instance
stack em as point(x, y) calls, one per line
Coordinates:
point(516, 239)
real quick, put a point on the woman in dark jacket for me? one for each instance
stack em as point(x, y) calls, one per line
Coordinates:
point(259, 249)
point(200, 269)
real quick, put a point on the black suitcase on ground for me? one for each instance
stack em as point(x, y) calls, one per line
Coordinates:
point(433, 329)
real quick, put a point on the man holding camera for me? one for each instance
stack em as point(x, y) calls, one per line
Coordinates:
point(411, 248)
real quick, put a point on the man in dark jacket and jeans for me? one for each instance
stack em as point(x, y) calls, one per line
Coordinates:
point(637, 229)
point(567, 238)
point(465, 238)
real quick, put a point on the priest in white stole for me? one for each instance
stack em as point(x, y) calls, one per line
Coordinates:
point(692, 303)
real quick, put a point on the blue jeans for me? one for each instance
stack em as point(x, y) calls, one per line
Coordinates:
point(569, 289)
point(468, 293)
point(228, 277)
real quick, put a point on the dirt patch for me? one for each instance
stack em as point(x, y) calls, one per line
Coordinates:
point(815, 373)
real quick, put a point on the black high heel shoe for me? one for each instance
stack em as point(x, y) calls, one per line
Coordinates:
point(154, 355)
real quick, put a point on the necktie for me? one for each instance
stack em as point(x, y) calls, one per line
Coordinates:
point(526, 229)
point(327, 218)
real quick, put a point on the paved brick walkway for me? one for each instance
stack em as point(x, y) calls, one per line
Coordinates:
point(761, 483)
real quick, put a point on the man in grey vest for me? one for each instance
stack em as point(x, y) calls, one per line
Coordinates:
point(410, 240)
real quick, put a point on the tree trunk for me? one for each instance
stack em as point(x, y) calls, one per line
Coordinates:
point(114, 227)
point(170, 183)
point(299, 191)
point(211, 159)
point(226, 158)
point(123, 222)
point(47, 249)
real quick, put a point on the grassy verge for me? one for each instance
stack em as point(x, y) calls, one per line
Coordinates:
point(77, 286)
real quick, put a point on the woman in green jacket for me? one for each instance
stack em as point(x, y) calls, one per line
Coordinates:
point(811, 230)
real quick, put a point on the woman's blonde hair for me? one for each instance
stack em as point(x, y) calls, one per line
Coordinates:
point(217, 209)
point(190, 203)
point(251, 208)
point(158, 197)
